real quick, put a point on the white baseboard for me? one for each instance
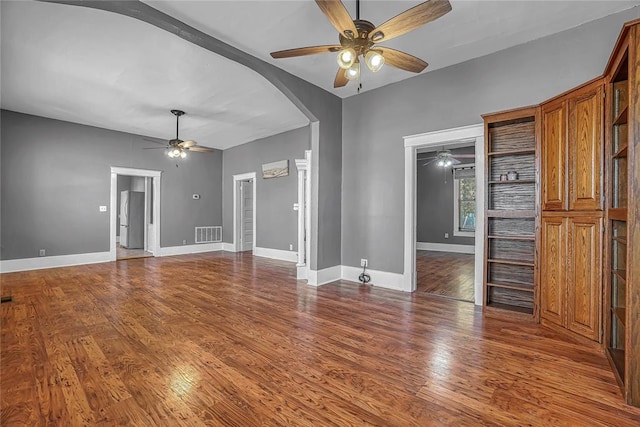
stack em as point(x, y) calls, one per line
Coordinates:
point(381, 279)
point(445, 247)
point(190, 249)
point(24, 264)
point(276, 254)
point(228, 247)
point(327, 275)
point(301, 272)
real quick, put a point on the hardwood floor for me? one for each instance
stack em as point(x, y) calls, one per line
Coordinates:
point(125, 253)
point(446, 274)
point(232, 340)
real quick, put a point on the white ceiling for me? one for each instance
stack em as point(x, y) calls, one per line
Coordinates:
point(102, 69)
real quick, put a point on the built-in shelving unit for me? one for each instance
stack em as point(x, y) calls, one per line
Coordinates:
point(622, 242)
point(511, 206)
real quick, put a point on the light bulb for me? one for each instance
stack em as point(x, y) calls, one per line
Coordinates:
point(183, 154)
point(346, 58)
point(440, 162)
point(353, 72)
point(449, 162)
point(374, 60)
point(170, 153)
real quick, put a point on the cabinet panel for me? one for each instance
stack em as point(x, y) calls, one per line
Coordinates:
point(552, 270)
point(585, 153)
point(554, 133)
point(584, 283)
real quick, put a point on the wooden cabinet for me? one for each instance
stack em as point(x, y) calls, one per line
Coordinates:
point(572, 150)
point(571, 170)
point(512, 206)
point(554, 158)
point(621, 308)
point(570, 274)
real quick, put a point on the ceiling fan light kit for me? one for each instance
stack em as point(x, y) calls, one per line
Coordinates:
point(178, 148)
point(358, 38)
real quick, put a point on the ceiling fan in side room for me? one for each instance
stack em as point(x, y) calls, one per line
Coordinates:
point(359, 39)
point(445, 158)
point(177, 147)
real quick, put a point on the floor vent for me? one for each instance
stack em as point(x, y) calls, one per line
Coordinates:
point(209, 234)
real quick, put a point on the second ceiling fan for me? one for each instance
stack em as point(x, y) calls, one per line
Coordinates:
point(359, 39)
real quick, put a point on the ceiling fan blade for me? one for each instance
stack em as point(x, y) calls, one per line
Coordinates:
point(200, 149)
point(187, 144)
point(430, 161)
point(339, 17)
point(402, 60)
point(410, 20)
point(340, 80)
point(455, 161)
point(302, 51)
point(464, 156)
point(155, 141)
point(154, 148)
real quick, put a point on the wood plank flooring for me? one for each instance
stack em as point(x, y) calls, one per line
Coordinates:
point(232, 340)
point(446, 274)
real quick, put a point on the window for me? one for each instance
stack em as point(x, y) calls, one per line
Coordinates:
point(464, 200)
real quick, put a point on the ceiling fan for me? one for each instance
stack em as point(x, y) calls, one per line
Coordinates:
point(177, 147)
point(359, 38)
point(445, 158)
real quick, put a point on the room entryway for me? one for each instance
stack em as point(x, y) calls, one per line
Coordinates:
point(135, 213)
point(244, 212)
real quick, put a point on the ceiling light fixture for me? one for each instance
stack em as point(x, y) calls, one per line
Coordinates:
point(346, 58)
point(374, 60)
point(353, 72)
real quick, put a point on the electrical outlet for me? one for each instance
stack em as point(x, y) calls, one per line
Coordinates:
point(363, 262)
point(290, 246)
point(446, 235)
point(42, 252)
point(103, 208)
point(184, 242)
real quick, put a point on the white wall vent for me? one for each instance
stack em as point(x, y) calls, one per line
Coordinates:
point(211, 234)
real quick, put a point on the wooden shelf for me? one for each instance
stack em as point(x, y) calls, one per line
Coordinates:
point(514, 181)
point(519, 287)
point(516, 308)
point(511, 262)
point(523, 213)
point(527, 238)
point(622, 152)
point(619, 214)
point(620, 239)
point(511, 152)
point(617, 357)
point(622, 117)
point(621, 314)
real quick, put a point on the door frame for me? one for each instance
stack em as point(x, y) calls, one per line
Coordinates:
point(433, 140)
point(237, 212)
point(146, 173)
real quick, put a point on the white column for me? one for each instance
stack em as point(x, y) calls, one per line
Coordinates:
point(302, 166)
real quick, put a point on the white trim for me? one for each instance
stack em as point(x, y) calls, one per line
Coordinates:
point(157, 176)
point(276, 254)
point(381, 279)
point(236, 179)
point(190, 249)
point(24, 264)
point(438, 139)
point(324, 276)
point(228, 247)
point(445, 247)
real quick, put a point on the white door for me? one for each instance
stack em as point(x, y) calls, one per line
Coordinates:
point(246, 212)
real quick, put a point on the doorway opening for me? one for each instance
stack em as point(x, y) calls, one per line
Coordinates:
point(434, 141)
point(445, 220)
point(135, 213)
point(244, 212)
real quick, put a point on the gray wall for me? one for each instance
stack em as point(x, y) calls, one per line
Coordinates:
point(434, 201)
point(55, 175)
point(276, 221)
point(373, 153)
